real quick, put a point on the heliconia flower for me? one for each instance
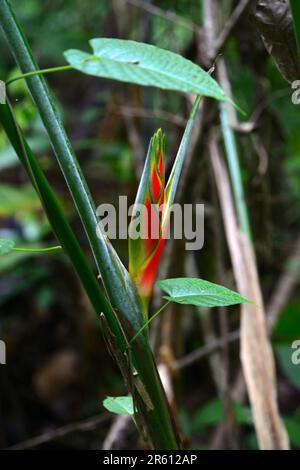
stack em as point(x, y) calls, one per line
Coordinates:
point(146, 244)
point(150, 215)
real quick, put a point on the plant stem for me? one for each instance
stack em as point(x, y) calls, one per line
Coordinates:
point(38, 250)
point(52, 123)
point(39, 72)
point(157, 418)
point(235, 171)
point(115, 278)
point(149, 321)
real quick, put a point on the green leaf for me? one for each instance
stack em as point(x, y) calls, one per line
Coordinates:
point(293, 429)
point(144, 64)
point(243, 414)
point(191, 291)
point(210, 414)
point(6, 246)
point(174, 177)
point(119, 405)
point(213, 412)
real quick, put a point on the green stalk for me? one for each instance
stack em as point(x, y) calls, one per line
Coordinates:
point(115, 278)
point(235, 170)
point(147, 323)
point(70, 245)
point(63, 68)
point(50, 249)
point(59, 140)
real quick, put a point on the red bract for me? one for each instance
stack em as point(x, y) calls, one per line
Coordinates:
point(152, 210)
point(145, 251)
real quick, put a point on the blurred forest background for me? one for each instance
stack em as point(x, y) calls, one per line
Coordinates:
point(58, 369)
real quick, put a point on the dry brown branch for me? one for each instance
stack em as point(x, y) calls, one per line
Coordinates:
point(281, 293)
point(85, 425)
point(135, 111)
point(165, 14)
point(256, 353)
point(117, 433)
point(204, 351)
point(229, 26)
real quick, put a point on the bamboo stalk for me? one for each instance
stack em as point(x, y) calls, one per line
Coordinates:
point(149, 392)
